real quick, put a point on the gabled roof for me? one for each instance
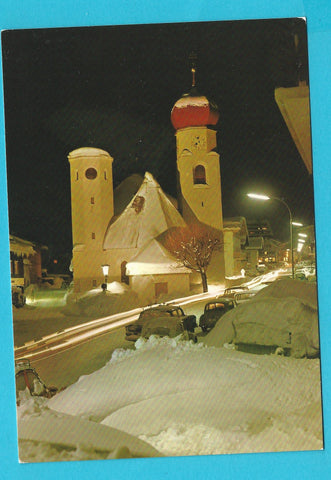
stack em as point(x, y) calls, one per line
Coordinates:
point(19, 246)
point(154, 259)
point(149, 214)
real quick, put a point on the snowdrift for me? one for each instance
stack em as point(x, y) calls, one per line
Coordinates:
point(96, 303)
point(283, 315)
point(74, 436)
point(186, 399)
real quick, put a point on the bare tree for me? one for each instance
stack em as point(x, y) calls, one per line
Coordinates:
point(193, 246)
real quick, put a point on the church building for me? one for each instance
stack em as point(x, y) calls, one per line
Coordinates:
point(131, 243)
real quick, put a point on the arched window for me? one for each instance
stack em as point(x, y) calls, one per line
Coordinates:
point(199, 175)
point(124, 277)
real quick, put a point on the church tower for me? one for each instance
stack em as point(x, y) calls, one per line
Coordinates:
point(92, 207)
point(194, 116)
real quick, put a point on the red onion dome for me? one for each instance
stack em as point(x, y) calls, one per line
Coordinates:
point(194, 110)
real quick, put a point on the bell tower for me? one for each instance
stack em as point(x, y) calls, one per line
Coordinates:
point(193, 117)
point(92, 207)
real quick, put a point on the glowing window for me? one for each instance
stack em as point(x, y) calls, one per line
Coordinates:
point(91, 173)
point(199, 175)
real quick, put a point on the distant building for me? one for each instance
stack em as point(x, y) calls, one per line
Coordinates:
point(25, 261)
point(305, 245)
point(259, 228)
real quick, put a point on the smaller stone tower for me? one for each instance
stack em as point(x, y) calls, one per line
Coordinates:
point(92, 207)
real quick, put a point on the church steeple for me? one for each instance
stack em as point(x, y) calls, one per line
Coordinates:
point(197, 162)
point(194, 109)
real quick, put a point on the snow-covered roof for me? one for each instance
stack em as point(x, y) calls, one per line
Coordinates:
point(154, 259)
point(255, 243)
point(237, 224)
point(149, 214)
point(21, 247)
point(88, 152)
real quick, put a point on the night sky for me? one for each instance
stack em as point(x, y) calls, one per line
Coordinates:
point(114, 87)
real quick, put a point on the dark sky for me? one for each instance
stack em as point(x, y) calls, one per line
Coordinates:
point(114, 88)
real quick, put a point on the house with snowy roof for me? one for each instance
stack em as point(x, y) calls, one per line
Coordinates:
point(130, 240)
point(25, 261)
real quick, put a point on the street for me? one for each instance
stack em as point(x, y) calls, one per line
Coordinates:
point(63, 348)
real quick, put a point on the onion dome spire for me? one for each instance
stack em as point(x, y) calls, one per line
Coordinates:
point(194, 109)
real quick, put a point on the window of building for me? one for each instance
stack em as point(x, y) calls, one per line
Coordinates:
point(94, 283)
point(92, 200)
point(77, 176)
point(105, 174)
point(91, 173)
point(199, 175)
point(93, 236)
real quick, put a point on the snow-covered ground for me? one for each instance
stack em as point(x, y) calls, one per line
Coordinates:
point(169, 397)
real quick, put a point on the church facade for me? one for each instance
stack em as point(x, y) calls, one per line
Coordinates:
point(131, 243)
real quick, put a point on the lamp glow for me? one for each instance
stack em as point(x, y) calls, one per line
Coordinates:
point(303, 235)
point(105, 270)
point(257, 196)
point(297, 224)
point(300, 245)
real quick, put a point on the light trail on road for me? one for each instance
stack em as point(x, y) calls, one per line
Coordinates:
point(79, 334)
point(65, 339)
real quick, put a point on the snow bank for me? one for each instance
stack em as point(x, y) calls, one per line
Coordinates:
point(80, 439)
point(186, 399)
point(97, 303)
point(283, 314)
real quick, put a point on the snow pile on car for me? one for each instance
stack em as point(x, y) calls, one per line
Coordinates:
point(186, 399)
point(282, 315)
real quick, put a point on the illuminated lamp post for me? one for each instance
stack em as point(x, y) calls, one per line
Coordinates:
point(301, 243)
point(265, 197)
point(105, 271)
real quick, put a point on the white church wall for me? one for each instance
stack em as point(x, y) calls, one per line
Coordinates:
point(87, 266)
point(167, 285)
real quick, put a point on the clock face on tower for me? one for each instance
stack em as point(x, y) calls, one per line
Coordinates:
point(198, 142)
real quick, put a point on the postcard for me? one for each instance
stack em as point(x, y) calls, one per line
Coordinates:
point(162, 240)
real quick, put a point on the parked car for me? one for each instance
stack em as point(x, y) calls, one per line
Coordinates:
point(167, 327)
point(56, 281)
point(162, 312)
point(241, 297)
point(18, 296)
point(231, 291)
point(214, 310)
point(27, 378)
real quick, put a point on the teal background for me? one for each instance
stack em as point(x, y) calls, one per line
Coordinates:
point(17, 14)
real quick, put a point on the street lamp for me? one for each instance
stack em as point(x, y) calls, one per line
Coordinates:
point(105, 271)
point(257, 196)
